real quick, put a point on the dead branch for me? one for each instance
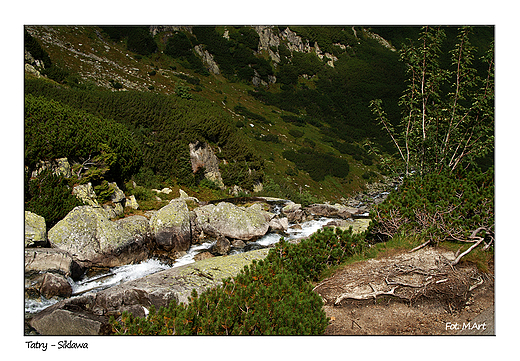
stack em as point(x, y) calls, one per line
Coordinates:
point(366, 296)
point(467, 251)
point(421, 246)
point(477, 241)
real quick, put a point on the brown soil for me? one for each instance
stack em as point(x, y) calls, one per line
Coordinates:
point(417, 293)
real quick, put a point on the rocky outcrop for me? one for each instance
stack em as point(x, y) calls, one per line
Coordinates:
point(92, 239)
point(132, 202)
point(228, 220)
point(294, 213)
point(59, 166)
point(41, 260)
point(207, 59)
point(171, 226)
point(203, 158)
point(35, 230)
point(89, 314)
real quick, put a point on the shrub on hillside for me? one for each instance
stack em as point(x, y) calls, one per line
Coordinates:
point(318, 165)
point(54, 130)
point(445, 206)
point(138, 38)
point(162, 126)
point(264, 299)
point(325, 248)
point(49, 196)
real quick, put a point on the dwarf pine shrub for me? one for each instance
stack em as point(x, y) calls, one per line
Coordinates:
point(270, 297)
point(439, 206)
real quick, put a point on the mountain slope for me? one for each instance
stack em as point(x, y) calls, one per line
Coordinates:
point(297, 96)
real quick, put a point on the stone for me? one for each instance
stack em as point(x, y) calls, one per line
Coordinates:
point(238, 244)
point(55, 285)
point(41, 260)
point(85, 193)
point(62, 322)
point(60, 166)
point(294, 213)
point(327, 210)
point(203, 255)
point(35, 230)
point(132, 202)
point(171, 226)
point(232, 221)
point(113, 211)
point(222, 246)
point(118, 196)
point(137, 226)
point(91, 238)
point(279, 224)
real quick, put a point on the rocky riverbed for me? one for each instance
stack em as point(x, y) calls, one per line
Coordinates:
point(86, 255)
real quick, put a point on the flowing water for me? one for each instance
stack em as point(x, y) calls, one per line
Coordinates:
point(131, 272)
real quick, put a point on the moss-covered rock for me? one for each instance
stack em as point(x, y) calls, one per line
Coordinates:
point(35, 230)
point(171, 226)
point(226, 219)
point(89, 236)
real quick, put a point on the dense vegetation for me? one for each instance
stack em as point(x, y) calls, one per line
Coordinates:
point(271, 297)
point(138, 38)
point(161, 127)
point(439, 207)
point(318, 165)
point(49, 196)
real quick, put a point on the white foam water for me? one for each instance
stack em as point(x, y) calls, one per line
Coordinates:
point(307, 228)
point(192, 252)
point(118, 275)
point(37, 305)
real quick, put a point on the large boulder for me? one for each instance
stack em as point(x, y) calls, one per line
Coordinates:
point(41, 260)
point(228, 220)
point(294, 213)
point(333, 211)
point(171, 226)
point(35, 230)
point(89, 314)
point(137, 226)
point(47, 272)
point(93, 240)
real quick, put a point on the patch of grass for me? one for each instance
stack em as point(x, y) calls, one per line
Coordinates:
point(399, 243)
point(482, 259)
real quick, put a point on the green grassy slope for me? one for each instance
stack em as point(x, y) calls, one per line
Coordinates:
point(321, 111)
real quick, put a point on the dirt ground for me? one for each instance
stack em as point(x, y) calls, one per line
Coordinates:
point(417, 293)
